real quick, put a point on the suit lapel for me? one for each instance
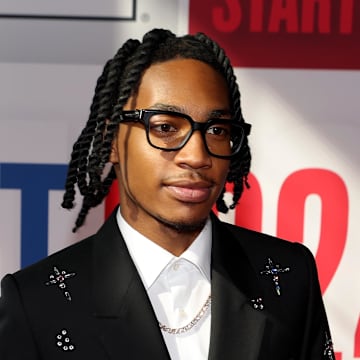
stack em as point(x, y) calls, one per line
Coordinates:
point(126, 323)
point(237, 329)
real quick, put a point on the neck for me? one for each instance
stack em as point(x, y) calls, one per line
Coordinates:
point(173, 237)
point(173, 240)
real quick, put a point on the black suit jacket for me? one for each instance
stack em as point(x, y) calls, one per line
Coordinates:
point(95, 307)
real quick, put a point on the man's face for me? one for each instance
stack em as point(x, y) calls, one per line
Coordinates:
point(176, 188)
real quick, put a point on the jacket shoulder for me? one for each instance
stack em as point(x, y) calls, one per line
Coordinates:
point(75, 254)
point(255, 240)
point(265, 251)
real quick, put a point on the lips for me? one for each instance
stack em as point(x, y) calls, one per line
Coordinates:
point(190, 191)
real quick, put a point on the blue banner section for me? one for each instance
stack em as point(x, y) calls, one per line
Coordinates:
point(34, 181)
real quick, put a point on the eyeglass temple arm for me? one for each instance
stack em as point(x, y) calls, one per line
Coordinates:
point(247, 128)
point(130, 115)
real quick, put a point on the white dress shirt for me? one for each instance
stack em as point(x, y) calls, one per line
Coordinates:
point(178, 287)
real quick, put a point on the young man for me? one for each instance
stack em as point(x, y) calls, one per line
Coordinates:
point(164, 278)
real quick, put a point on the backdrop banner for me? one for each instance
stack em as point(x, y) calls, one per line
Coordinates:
point(298, 66)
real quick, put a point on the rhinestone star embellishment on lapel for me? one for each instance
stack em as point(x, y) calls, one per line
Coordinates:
point(59, 278)
point(274, 270)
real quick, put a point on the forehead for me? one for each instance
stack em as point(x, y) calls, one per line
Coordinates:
point(187, 83)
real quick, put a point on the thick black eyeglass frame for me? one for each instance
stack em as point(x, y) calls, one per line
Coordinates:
point(144, 115)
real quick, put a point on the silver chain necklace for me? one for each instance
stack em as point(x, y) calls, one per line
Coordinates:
point(191, 324)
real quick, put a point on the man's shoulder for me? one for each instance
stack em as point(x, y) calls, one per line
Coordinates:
point(247, 236)
point(261, 245)
point(75, 255)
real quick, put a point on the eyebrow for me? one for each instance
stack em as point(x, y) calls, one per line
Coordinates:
point(216, 113)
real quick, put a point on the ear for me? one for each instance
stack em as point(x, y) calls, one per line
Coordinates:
point(114, 155)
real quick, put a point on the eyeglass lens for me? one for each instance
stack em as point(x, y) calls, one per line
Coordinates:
point(171, 132)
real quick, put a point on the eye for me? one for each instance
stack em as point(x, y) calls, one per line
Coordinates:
point(168, 125)
point(219, 130)
point(163, 127)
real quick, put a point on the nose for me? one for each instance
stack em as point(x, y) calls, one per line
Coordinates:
point(194, 154)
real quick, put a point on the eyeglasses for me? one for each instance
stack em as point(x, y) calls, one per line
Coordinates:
point(170, 131)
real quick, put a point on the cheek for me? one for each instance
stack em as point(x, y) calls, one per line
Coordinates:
point(221, 168)
point(140, 163)
point(143, 168)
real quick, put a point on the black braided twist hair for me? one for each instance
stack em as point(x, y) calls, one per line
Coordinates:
point(119, 80)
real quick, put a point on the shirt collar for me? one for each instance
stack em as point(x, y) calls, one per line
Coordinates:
point(151, 259)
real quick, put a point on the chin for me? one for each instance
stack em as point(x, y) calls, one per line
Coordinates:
point(182, 225)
